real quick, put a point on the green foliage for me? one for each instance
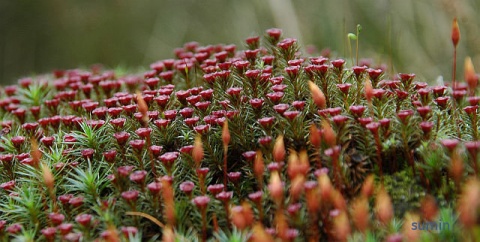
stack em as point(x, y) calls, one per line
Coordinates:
point(407, 198)
point(26, 236)
point(234, 236)
point(90, 137)
point(35, 94)
point(92, 182)
point(27, 208)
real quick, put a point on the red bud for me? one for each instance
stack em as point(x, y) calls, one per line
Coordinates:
point(259, 165)
point(455, 32)
point(317, 95)
point(279, 150)
point(368, 90)
point(360, 213)
point(328, 134)
point(276, 187)
point(225, 135)
point(197, 152)
point(383, 207)
point(470, 75)
point(142, 107)
point(315, 137)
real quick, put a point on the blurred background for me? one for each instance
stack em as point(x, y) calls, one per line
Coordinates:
point(410, 35)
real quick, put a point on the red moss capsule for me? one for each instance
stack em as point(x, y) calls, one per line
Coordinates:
point(84, 219)
point(317, 95)
point(455, 32)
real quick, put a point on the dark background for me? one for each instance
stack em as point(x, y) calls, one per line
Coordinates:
point(414, 35)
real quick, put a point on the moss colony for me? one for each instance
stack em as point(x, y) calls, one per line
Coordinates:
point(222, 144)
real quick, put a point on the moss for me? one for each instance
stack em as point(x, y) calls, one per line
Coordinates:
point(405, 191)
